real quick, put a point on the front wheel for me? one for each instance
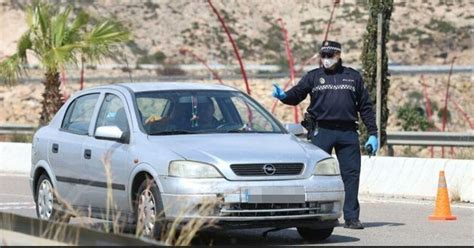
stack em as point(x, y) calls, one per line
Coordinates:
point(313, 235)
point(46, 202)
point(149, 211)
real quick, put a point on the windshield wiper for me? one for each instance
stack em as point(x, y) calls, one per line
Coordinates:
point(240, 131)
point(173, 132)
point(247, 131)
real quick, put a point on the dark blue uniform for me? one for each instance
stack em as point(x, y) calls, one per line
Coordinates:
point(337, 97)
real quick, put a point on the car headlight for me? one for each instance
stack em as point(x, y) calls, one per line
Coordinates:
point(327, 167)
point(190, 169)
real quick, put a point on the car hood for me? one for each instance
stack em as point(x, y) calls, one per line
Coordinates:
point(224, 149)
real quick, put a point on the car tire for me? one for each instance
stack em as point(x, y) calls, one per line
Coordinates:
point(314, 235)
point(149, 194)
point(46, 202)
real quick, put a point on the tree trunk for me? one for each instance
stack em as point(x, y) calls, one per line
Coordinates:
point(369, 62)
point(51, 97)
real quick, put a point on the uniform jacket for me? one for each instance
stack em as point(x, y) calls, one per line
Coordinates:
point(337, 95)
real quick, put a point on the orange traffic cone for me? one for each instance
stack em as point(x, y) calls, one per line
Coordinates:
point(442, 209)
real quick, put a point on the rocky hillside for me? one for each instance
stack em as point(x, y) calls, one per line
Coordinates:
point(422, 32)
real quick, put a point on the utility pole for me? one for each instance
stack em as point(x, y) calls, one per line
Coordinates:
point(379, 79)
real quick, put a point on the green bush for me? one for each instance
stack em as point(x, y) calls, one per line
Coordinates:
point(171, 70)
point(440, 26)
point(441, 115)
point(413, 118)
point(156, 58)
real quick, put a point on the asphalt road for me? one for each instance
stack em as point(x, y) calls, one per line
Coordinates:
point(387, 221)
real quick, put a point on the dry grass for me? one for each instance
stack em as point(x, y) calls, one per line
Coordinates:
point(181, 231)
point(175, 233)
point(182, 235)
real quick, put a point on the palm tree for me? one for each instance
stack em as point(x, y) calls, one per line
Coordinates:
point(56, 39)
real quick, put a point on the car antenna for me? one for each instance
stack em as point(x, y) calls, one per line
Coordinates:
point(128, 67)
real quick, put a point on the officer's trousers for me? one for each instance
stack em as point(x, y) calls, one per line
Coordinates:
point(346, 144)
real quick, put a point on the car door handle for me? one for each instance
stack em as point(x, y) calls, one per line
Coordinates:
point(55, 148)
point(87, 154)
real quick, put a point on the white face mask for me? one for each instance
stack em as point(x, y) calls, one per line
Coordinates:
point(329, 62)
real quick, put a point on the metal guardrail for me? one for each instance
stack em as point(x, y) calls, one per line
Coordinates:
point(17, 129)
point(455, 139)
point(393, 68)
point(255, 72)
point(431, 139)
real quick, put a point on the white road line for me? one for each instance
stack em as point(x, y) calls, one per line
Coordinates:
point(414, 202)
point(16, 195)
point(13, 175)
point(17, 208)
point(15, 203)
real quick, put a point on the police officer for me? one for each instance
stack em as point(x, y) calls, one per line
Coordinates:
point(337, 95)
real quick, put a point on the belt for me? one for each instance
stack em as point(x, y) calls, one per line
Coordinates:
point(338, 125)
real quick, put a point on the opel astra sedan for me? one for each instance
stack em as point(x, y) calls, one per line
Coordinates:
point(148, 151)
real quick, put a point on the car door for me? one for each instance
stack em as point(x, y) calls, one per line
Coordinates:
point(64, 149)
point(108, 162)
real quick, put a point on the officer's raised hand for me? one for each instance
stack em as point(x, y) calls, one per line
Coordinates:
point(373, 142)
point(278, 92)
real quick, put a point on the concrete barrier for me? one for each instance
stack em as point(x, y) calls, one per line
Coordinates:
point(380, 176)
point(15, 158)
point(416, 177)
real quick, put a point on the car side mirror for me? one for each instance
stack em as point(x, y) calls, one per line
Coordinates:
point(112, 133)
point(295, 128)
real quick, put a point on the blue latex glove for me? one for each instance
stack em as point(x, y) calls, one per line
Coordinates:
point(373, 142)
point(278, 92)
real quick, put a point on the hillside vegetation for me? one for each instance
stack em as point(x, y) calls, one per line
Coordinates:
point(422, 32)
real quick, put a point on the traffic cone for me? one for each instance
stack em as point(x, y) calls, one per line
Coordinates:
point(442, 209)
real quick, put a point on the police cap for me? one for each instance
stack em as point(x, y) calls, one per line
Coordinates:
point(330, 47)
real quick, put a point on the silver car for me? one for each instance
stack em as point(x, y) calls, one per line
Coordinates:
point(154, 153)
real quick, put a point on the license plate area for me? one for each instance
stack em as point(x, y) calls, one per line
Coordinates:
point(272, 195)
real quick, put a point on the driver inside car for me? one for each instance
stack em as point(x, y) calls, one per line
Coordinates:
point(205, 115)
point(182, 118)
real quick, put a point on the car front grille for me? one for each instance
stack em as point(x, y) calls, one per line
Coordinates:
point(274, 209)
point(280, 169)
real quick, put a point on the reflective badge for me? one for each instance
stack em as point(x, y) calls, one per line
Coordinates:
point(322, 81)
point(327, 43)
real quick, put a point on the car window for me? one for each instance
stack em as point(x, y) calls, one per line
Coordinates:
point(112, 113)
point(152, 108)
point(202, 111)
point(79, 114)
point(249, 117)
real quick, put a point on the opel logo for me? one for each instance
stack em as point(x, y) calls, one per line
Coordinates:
point(269, 169)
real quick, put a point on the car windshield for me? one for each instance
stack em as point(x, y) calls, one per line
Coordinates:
point(202, 111)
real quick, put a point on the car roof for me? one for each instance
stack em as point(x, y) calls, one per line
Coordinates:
point(158, 86)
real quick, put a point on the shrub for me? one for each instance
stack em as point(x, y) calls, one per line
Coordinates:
point(413, 118)
point(440, 26)
point(171, 70)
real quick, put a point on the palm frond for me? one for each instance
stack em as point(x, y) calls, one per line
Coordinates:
point(67, 53)
point(42, 14)
point(59, 27)
point(24, 44)
point(80, 21)
point(56, 40)
point(10, 69)
point(107, 32)
point(73, 33)
point(100, 40)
